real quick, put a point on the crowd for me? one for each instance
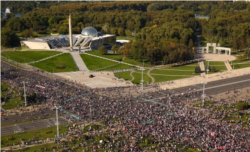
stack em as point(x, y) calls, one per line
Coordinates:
point(166, 117)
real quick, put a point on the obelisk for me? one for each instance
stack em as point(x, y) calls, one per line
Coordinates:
point(70, 34)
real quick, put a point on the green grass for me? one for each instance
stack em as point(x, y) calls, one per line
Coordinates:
point(137, 75)
point(206, 103)
point(132, 61)
point(124, 75)
point(117, 67)
point(117, 57)
point(125, 38)
point(38, 148)
point(61, 60)
point(239, 66)
point(10, 102)
point(25, 136)
point(172, 72)
point(161, 78)
point(214, 63)
point(28, 56)
point(94, 63)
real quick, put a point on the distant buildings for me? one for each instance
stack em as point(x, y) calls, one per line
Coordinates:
point(241, 0)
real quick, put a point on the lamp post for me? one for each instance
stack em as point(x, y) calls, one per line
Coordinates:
point(57, 123)
point(203, 95)
point(142, 77)
point(24, 93)
point(207, 68)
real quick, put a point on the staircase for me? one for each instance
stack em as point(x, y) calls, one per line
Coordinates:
point(201, 65)
point(229, 68)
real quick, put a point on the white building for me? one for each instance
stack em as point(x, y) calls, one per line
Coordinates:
point(241, 0)
point(88, 39)
point(216, 49)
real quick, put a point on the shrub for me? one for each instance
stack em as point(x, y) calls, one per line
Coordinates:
point(242, 106)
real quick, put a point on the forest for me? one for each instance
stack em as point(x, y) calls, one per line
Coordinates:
point(162, 31)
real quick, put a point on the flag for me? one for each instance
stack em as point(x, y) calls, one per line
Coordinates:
point(40, 86)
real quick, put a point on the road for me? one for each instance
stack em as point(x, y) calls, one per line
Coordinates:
point(212, 88)
point(220, 86)
point(27, 116)
point(6, 130)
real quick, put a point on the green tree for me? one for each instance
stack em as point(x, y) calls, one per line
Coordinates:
point(128, 32)
point(27, 33)
point(213, 69)
point(103, 50)
point(114, 48)
point(9, 38)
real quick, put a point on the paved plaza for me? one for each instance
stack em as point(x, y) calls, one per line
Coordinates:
point(100, 79)
point(215, 57)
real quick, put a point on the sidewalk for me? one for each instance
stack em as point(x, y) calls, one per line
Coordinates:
point(198, 79)
point(78, 61)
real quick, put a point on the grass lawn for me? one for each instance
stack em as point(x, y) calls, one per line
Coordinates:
point(94, 63)
point(240, 64)
point(206, 103)
point(214, 63)
point(125, 38)
point(117, 57)
point(172, 72)
point(162, 78)
point(25, 136)
point(64, 60)
point(38, 148)
point(132, 61)
point(13, 102)
point(117, 67)
point(124, 75)
point(137, 75)
point(28, 56)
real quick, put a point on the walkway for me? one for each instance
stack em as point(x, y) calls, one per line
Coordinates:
point(153, 79)
point(46, 58)
point(198, 79)
point(131, 74)
point(229, 68)
point(78, 61)
point(110, 59)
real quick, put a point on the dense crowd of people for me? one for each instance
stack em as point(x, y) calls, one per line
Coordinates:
point(167, 117)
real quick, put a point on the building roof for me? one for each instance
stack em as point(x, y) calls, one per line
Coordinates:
point(89, 31)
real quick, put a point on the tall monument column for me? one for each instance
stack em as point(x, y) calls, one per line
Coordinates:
point(70, 34)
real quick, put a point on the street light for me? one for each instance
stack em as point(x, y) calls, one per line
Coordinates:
point(142, 76)
point(203, 95)
point(24, 93)
point(57, 123)
point(207, 68)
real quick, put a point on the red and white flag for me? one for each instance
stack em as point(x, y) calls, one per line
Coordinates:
point(40, 86)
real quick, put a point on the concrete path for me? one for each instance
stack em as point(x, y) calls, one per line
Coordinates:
point(211, 77)
point(229, 68)
point(78, 61)
point(153, 79)
point(110, 59)
point(131, 74)
point(201, 64)
point(46, 58)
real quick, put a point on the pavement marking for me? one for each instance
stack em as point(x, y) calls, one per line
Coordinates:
point(224, 85)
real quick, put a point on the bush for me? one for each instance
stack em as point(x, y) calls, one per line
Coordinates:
point(242, 106)
point(197, 69)
point(91, 76)
point(42, 32)
point(103, 50)
point(48, 132)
